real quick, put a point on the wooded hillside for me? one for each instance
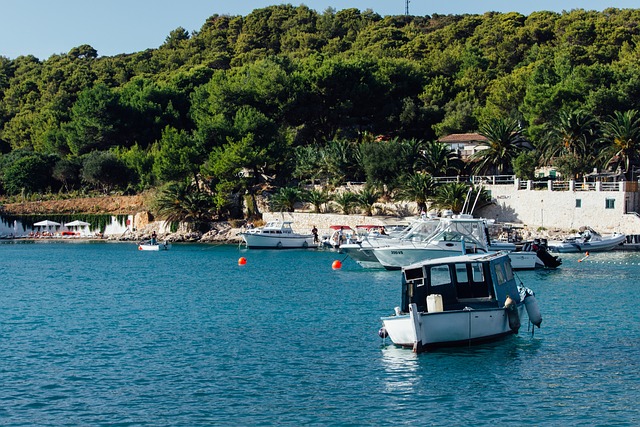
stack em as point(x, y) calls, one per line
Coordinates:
point(286, 95)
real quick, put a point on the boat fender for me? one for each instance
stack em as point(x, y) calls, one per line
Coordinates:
point(382, 333)
point(512, 314)
point(533, 311)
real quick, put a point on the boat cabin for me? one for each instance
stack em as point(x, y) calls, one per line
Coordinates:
point(475, 281)
point(277, 227)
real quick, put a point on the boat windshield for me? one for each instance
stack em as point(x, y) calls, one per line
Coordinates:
point(473, 232)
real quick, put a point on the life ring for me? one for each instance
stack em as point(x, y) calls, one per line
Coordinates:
point(305, 244)
point(279, 245)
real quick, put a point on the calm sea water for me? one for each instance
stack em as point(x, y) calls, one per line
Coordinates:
point(102, 334)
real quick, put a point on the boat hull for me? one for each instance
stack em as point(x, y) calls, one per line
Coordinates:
point(258, 241)
point(365, 257)
point(449, 328)
point(606, 244)
point(396, 257)
point(149, 247)
point(525, 260)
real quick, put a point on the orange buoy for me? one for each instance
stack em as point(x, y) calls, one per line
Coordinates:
point(337, 265)
point(242, 261)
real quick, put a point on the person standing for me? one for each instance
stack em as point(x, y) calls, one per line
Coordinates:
point(314, 231)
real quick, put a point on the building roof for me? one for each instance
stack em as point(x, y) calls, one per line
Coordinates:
point(462, 137)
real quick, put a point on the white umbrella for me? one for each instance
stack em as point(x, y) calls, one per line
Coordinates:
point(76, 223)
point(46, 223)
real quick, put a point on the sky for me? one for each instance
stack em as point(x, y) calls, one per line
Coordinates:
point(46, 27)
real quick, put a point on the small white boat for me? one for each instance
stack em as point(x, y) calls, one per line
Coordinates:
point(459, 300)
point(148, 246)
point(276, 235)
point(587, 240)
point(340, 235)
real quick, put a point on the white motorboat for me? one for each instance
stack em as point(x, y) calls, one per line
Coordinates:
point(149, 246)
point(587, 240)
point(460, 300)
point(455, 236)
point(452, 236)
point(276, 235)
point(362, 251)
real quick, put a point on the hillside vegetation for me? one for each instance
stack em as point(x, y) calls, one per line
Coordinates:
point(286, 96)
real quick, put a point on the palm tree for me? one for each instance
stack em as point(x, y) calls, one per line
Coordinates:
point(504, 143)
point(622, 132)
point(345, 200)
point(317, 198)
point(183, 202)
point(366, 199)
point(418, 187)
point(572, 142)
point(285, 199)
point(451, 196)
point(438, 159)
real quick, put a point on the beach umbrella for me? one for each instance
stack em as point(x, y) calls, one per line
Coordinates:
point(46, 223)
point(76, 223)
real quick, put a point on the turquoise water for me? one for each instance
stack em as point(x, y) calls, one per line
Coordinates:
point(102, 334)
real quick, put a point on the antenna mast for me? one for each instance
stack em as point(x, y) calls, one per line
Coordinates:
point(406, 7)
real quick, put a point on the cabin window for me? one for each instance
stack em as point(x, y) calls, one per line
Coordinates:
point(461, 273)
point(478, 272)
point(440, 275)
point(508, 271)
point(610, 203)
point(500, 274)
point(578, 203)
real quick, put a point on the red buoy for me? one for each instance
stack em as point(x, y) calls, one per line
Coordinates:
point(337, 265)
point(242, 261)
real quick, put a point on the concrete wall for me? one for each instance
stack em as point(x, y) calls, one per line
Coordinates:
point(550, 207)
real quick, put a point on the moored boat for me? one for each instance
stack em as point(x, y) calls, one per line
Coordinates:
point(150, 246)
point(587, 240)
point(460, 300)
point(276, 235)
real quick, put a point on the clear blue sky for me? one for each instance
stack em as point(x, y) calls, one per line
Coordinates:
point(46, 27)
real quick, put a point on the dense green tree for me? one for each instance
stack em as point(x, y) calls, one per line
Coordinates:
point(175, 157)
point(67, 171)
point(94, 120)
point(104, 171)
point(29, 173)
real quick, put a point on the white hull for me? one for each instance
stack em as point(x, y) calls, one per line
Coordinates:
point(260, 241)
point(449, 328)
point(396, 257)
point(157, 247)
point(525, 260)
point(365, 257)
point(578, 245)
